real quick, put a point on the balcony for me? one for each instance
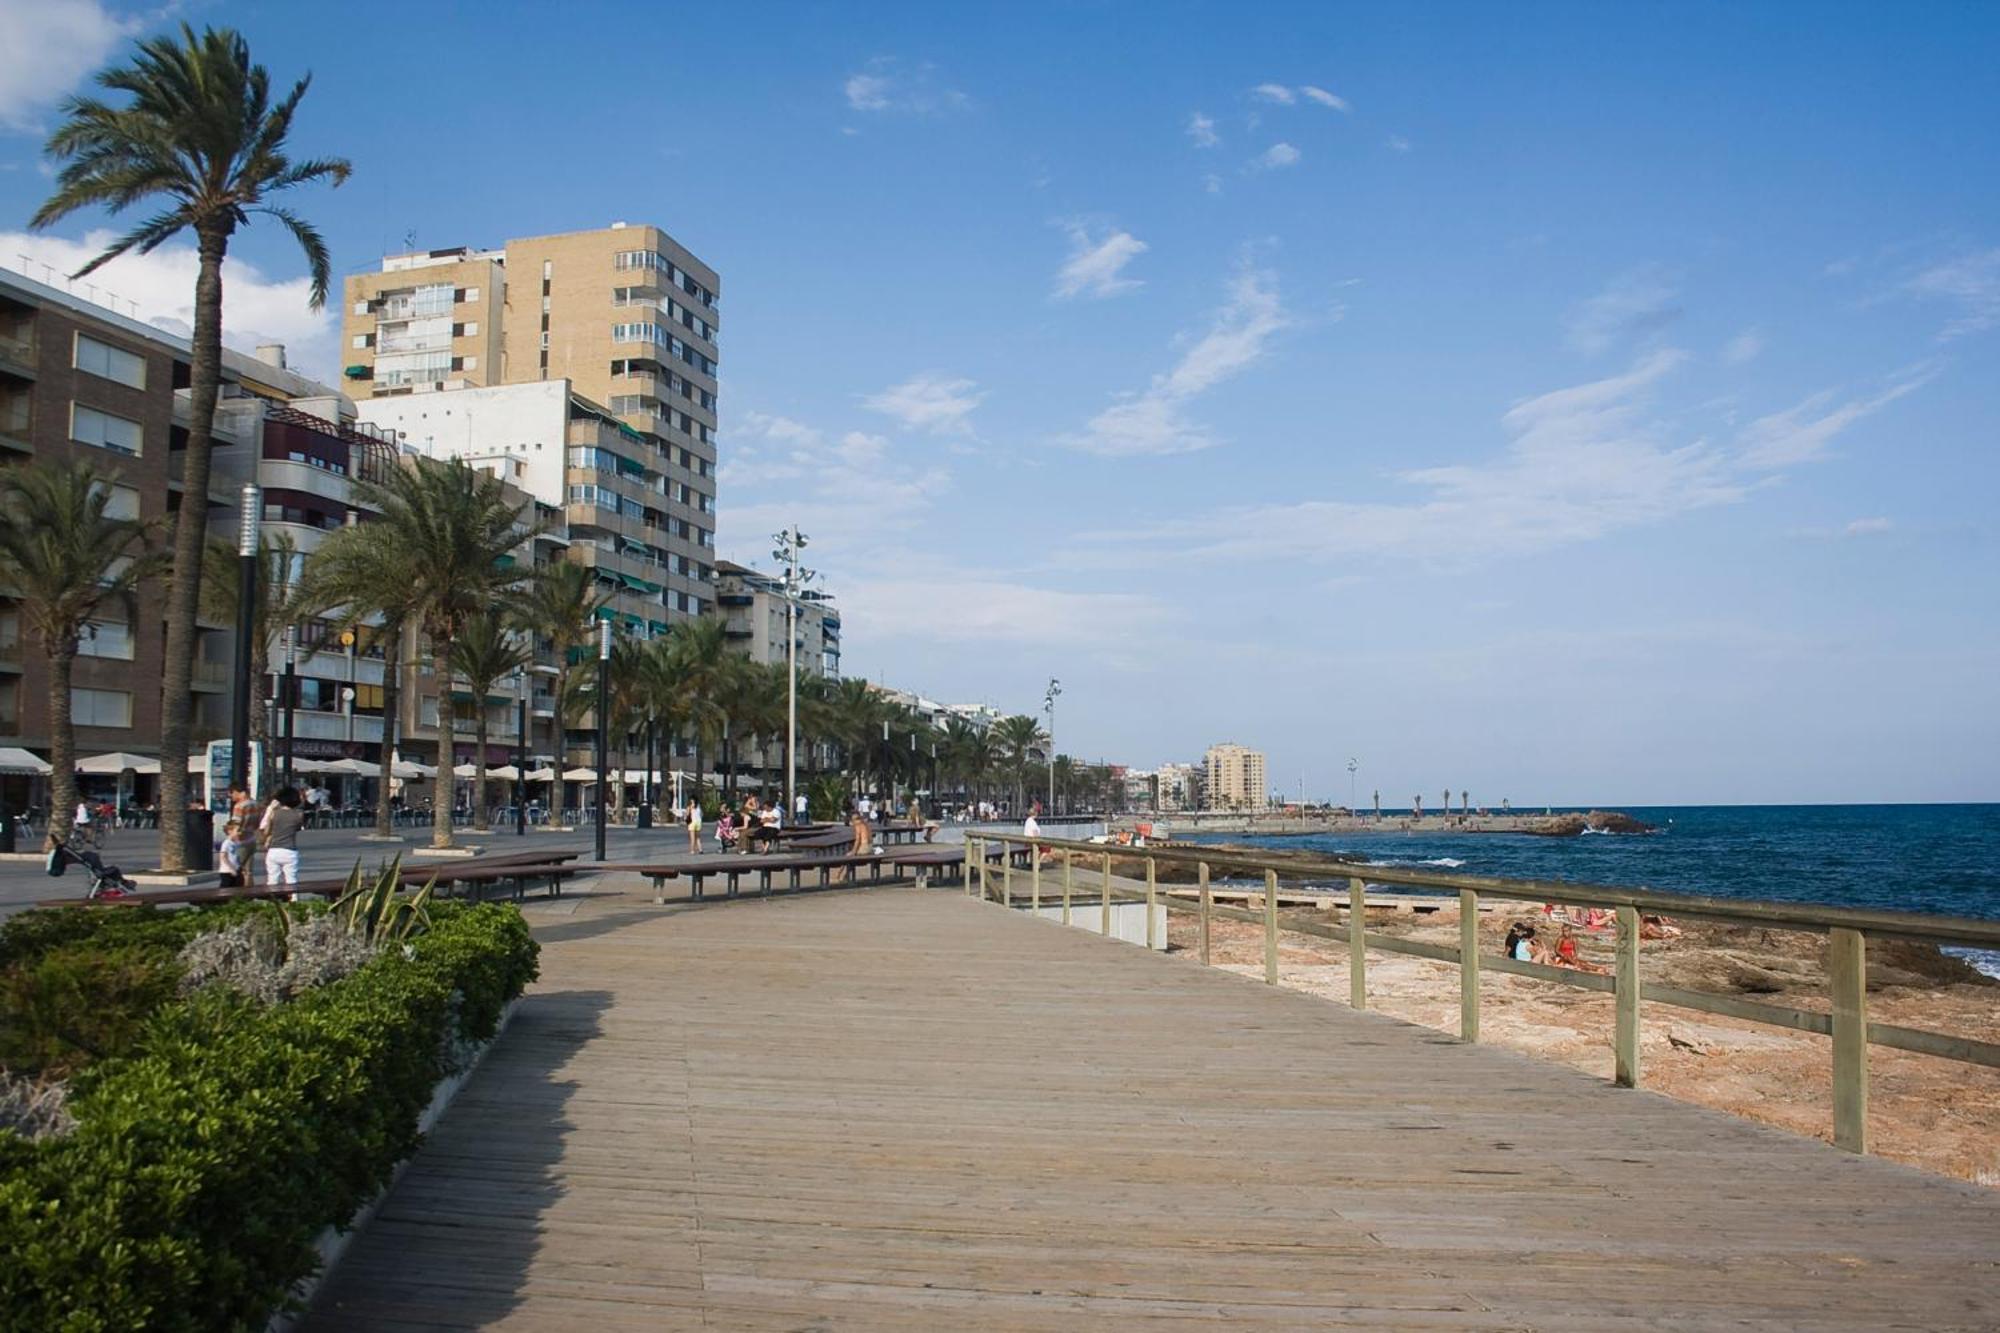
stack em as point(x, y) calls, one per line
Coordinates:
point(325, 725)
point(16, 420)
point(10, 655)
point(211, 676)
point(17, 350)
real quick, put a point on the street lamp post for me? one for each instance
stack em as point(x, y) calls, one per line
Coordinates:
point(291, 697)
point(603, 724)
point(790, 542)
point(249, 512)
point(520, 751)
point(1353, 767)
point(1049, 707)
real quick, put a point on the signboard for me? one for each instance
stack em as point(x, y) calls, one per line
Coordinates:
point(222, 772)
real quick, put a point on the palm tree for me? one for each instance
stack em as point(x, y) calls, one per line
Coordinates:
point(1021, 738)
point(367, 581)
point(65, 559)
point(281, 602)
point(854, 713)
point(702, 667)
point(561, 606)
point(202, 131)
point(970, 754)
point(485, 653)
point(451, 532)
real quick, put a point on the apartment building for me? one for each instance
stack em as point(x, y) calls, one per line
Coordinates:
point(624, 507)
point(618, 327)
point(1235, 778)
point(752, 606)
point(80, 382)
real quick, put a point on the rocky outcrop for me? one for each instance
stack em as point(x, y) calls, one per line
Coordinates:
point(1595, 821)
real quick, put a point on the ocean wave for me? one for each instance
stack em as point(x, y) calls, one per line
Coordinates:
point(1986, 960)
point(1448, 862)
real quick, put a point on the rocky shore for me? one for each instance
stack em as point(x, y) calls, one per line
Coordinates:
point(1936, 1114)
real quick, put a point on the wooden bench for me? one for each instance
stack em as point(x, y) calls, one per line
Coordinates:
point(732, 870)
point(927, 859)
point(518, 872)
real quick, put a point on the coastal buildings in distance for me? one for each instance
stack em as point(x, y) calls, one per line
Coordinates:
point(1234, 778)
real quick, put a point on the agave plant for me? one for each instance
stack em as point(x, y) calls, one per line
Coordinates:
point(376, 912)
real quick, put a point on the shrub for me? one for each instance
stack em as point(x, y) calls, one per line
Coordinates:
point(203, 1164)
point(270, 959)
point(34, 1109)
point(80, 1002)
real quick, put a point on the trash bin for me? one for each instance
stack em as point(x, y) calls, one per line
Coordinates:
point(6, 827)
point(645, 814)
point(200, 826)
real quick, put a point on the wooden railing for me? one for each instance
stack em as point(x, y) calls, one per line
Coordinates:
point(992, 857)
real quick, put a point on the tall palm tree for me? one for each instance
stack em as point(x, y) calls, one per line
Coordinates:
point(623, 713)
point(703, 668)
point(201, 134)
point(970, 755)
point(368, 582)
point(561, 606)
point(1021, 739)
point(281, 601)
point(855, 713)
point(452, 533)
point(486, 652)
point(66, 559)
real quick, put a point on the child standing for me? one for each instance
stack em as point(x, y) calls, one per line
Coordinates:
point(229, 856)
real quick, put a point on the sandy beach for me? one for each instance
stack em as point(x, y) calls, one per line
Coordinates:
point(1936, 1114)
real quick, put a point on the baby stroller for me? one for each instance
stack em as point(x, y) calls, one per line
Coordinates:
point(106, 882)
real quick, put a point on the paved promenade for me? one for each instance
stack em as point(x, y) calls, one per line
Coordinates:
point(905, 1109)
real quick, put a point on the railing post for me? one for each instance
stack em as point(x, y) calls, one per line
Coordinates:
point(1152, 897)
point(1066, 867)
point(1271, 927)
point(1357, 943)
point(1847, 977)
point(1007, 874)
point(1104, 924)
point(1468, 965)
point(1207, 903)
point(985, 884)
point(1035, 879)
point(1625, 978)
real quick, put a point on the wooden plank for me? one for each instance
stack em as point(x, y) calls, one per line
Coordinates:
point(1357, 943)
point(899, 1110)
point(1207, 911)
point(1847, 979)
point(1625, 980)
point(1271, 927)
point(1468, 965)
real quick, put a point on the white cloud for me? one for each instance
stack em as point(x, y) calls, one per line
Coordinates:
point(1325, 98)
point(1581, 463)
point(867, 92)
point(1867, 527)
point(1201, 129)
point(1277, 156)
point(1094, 267)
point(939, 404)
point(1635, 304)
point(1801, 434)
point(1398, 144)
point(1745, 347)
point(1274, 92)
point(986, 611)
point(887, 86)
point(1972, 283)
point(847, 490)
point(159, 289)
point(1155, 421)
point(51, 46)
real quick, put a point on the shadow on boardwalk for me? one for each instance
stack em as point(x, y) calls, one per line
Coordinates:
point(471, 1200)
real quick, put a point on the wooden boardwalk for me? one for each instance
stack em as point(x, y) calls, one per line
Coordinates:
point(897, 1109)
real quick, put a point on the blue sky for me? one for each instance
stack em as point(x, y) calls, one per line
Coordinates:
point(1565, 403)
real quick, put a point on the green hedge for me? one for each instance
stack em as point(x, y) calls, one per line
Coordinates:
point(206, 1161)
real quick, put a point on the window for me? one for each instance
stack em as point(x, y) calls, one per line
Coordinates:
point(106, 638)
point(100, 708)
point(113, 363)
point(119, 501)
point(361, 340)
point(87, 425)
point(360, 307)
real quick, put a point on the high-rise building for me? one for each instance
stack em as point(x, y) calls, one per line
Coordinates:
point(1236, 778)
point(618, 328)
point(752, 606)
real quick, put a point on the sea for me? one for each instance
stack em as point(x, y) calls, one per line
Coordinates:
point(1912, 858)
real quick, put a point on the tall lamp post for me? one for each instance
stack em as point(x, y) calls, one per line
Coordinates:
point(1049, 707)
point(1353, 767)
point(249, 513)
point(603, 723)
point(789, 543)
point(520, 751)
point(291, 697)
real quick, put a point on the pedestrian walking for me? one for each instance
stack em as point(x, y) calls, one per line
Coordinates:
point(280, 833)
point(693, 823)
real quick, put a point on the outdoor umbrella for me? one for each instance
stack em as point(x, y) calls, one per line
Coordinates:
point(117, 762)
point(14, 760)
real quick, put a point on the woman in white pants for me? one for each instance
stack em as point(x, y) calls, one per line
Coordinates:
point(280, 830)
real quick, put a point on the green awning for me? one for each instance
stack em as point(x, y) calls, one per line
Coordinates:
point(637, 584)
